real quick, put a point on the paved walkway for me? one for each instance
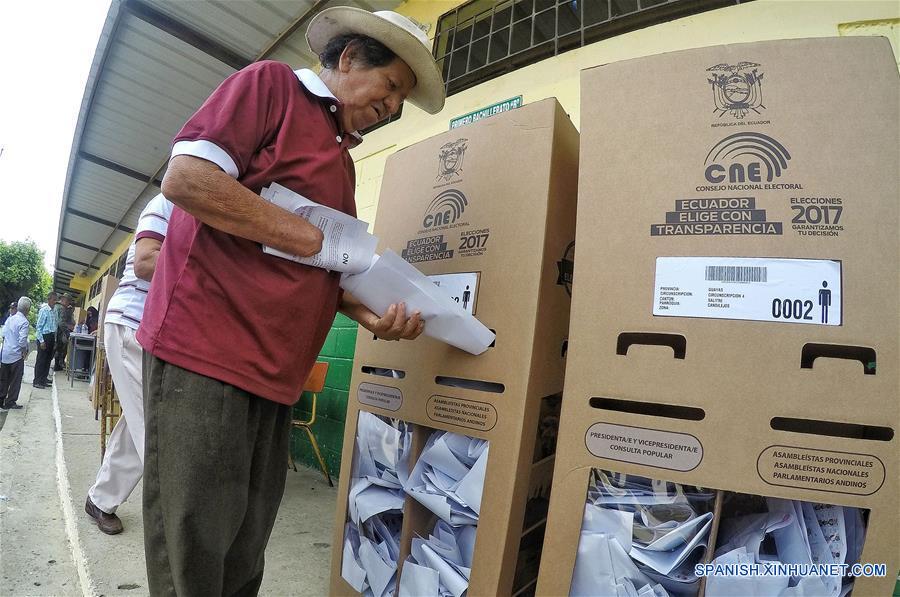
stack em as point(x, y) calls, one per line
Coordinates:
point(49, 455)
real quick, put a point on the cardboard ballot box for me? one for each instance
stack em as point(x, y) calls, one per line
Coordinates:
point(735, 320)
point(489, 211)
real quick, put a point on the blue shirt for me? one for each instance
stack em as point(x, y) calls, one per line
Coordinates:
point(15, 339)
point(46, 323)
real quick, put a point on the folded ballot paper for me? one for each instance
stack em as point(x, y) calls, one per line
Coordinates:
point(390, 279)
point(347, 245)
point(641, 537)
point(448, 477)
point(375, 503)
point(787, 532)
point(440, 565)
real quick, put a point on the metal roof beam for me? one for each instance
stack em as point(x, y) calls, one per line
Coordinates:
point(84, 246)
point(194, 38)
point(63, 271)
point(81, 263)
point(94, 218)
point(94, 159)
point(164, 22)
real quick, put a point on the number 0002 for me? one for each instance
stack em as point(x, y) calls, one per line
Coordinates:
point(792, 309)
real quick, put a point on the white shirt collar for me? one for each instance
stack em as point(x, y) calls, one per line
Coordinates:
point(313, 83)
point(317, 87)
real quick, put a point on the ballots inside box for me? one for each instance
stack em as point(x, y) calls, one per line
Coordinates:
point(647, 536)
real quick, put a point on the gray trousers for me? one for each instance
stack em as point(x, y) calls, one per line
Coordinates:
point(215, 463)
point(11, 381)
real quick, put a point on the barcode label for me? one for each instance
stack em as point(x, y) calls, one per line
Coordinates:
point(736, 273)
point(806, 291)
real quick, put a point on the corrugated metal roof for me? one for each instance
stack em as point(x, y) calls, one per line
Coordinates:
point(156, 61)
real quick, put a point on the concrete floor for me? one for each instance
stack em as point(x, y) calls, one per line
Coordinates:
point(49, 546)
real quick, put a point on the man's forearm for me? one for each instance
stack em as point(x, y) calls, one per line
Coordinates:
point(203, 190)
point(356, 311)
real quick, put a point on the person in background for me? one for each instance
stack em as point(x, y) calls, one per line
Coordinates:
point(46, 336)
point(123, 463)
point(12, 311)
point(85, 359)
point(91, 320)
point(13, 354)
point(229, 332)
point(65, 323)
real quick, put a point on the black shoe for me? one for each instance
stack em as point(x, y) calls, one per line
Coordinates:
point(12, 407)
point(39, 385)
point(108, 523)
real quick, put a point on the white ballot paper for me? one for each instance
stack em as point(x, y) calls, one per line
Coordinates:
point(391, 280)
point(448, 478)
point(804, 533)
point(441, 565)
point(347, 246)
point(372, 536)
point(641, 536)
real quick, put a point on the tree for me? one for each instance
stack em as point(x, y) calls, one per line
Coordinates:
point(22, 273)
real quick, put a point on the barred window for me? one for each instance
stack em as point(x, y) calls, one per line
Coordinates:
point(120, 266)
point(483, 39)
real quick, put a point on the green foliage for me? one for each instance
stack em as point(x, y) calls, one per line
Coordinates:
point(22, 273)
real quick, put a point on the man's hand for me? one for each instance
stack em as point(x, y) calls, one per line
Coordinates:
point(43, 345)
point(394, 325)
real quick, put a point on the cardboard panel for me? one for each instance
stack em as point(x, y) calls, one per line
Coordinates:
point(769, 151)
point(498, 199)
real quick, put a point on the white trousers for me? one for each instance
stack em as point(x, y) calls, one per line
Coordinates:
point(123, 463)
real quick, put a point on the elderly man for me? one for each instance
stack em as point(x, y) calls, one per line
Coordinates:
point(13, 354)
point(123, 462)
point(230, 333)
point(46, 335)
point(65, 323)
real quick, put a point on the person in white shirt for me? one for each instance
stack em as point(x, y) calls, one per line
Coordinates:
point(13, 354)
point(123, 463)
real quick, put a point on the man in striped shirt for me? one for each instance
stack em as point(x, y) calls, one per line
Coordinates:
point(123, 463)
point(46, 336)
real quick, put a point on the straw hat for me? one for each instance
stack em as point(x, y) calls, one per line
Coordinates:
point(397, 33)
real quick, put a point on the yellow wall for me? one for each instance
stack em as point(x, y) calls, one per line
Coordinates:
point(559, 76)
point(83, 283)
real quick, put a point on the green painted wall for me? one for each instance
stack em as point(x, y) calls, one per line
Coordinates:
point(331, 407)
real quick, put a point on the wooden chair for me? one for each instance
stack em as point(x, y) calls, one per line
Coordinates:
point(105, 401)
point(314, 384)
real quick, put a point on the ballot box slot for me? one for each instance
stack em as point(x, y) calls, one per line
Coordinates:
point(863, 354)
point(833, 429)
point(653, 409)
point(676, 342)
point(384, 371)
point(470, 384)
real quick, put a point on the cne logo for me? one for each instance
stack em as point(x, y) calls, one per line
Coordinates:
point(445, 209)
point(746, 157)
point(450, 159)
point(736, 88)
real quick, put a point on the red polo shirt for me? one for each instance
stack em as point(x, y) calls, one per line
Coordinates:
point(218, 305)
